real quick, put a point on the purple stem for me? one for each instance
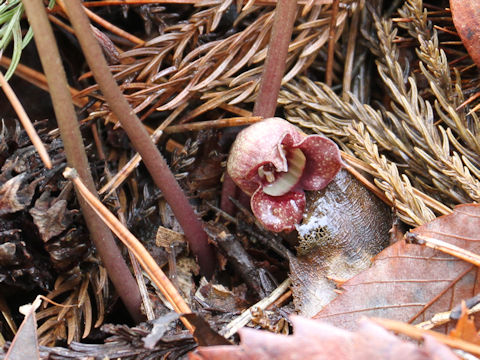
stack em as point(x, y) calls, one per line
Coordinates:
point(107, 249)
point(153, 160)
point(275, 63)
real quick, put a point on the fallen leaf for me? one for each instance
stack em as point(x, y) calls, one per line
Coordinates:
point(318, 340)
point(466, 18)
point(344, 227)
point(465, 328)
point(409, 282)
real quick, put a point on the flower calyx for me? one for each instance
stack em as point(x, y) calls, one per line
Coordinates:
point(274, 162)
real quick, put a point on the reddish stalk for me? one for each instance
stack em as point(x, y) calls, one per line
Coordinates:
point(275, 62)
point(110, 254)
point(140, 139)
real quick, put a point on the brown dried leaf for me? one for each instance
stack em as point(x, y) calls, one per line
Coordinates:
point(465, 328)
point(14, 197)
point(51, 218)
point(409, 282)
point(466, 18)
point(318, 340)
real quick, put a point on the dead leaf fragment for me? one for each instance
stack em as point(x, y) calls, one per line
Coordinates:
point(466, 18)
point(14, 197)
point(318, 340)
point(409, 282)
point(465, 328)
point(50, 217)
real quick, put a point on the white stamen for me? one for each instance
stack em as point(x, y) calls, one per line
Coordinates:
point(270, 176)
point(267, 174)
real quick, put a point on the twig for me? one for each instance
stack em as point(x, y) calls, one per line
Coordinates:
point(444, 247)
point(25, 120)
point(140, 139)
point(282, 300)
point(239, 322)
point(213, 124)
point(134, 245)
point(111, 257)
point(419, 334)
point(443, 318)
point(238, 257)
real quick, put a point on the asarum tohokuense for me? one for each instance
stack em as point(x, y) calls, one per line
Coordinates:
point(274, 162)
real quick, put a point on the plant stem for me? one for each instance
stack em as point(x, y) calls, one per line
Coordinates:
point(153, 160)
point(110, 254)
point(275, 63)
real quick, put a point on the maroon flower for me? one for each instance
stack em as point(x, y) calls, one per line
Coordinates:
point(274, 162)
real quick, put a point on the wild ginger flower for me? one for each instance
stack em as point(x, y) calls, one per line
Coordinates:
point(274, 162)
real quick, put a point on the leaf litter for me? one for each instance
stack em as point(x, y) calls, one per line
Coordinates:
point(411, 283)
point(318, 340)
point(414, 147)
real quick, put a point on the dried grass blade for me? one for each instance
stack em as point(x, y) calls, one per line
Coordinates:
point(443, 246)
point(27, 124)
point(213, 124)
point(87, 317)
